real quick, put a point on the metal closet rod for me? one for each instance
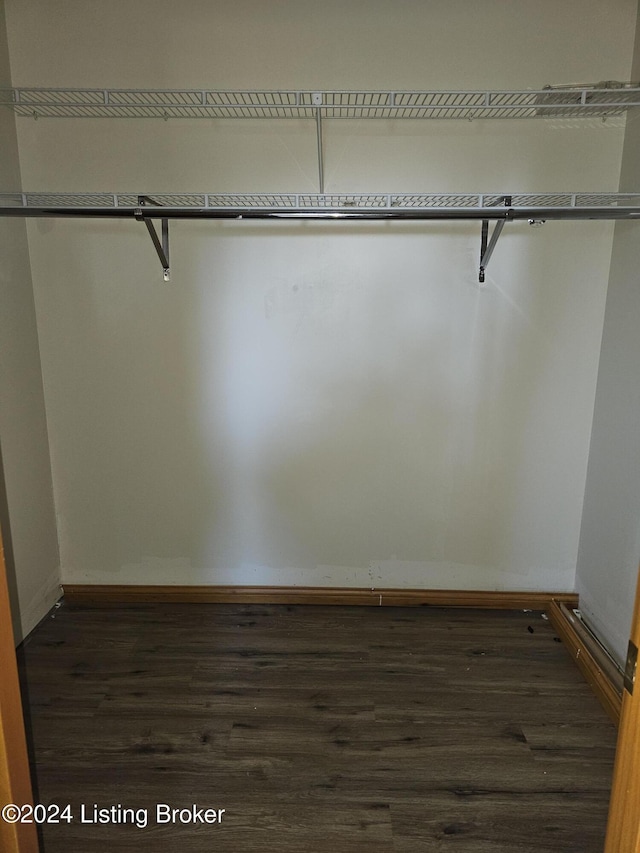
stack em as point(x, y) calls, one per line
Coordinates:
point(329, 213)
point(147, 211)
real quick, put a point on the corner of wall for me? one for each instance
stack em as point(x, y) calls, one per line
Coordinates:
point(609, 550)
point(27, 514)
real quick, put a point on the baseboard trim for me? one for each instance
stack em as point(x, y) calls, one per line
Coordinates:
point(603, 676)
point(119, 594)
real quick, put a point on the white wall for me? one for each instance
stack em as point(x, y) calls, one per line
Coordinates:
point(609, 552)
point(310, 403)
point(26, 497)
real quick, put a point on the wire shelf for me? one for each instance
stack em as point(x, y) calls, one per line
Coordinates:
point(315, 201)
point(610, 99)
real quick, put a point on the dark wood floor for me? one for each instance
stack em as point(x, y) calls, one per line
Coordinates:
point(332, 729)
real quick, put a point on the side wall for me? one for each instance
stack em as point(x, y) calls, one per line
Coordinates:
point(26, 495)
point(609, 552)
point(310, 403)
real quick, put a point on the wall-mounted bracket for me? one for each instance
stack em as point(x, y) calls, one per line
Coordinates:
point(488, 245)
point(161, 244)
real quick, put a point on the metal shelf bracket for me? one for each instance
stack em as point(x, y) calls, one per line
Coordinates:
point(488, 245)
point(161, 244)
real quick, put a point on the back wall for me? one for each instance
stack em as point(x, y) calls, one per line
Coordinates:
point(318, 403)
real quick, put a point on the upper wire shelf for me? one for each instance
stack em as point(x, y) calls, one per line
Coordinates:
point(606, 99)
point(324, 201)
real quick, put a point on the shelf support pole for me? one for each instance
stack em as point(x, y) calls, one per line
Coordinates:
point(161, 244)
point(316, 99)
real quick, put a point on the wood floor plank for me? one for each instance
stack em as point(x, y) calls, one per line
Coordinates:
point(317, 728)
point(499, 824)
